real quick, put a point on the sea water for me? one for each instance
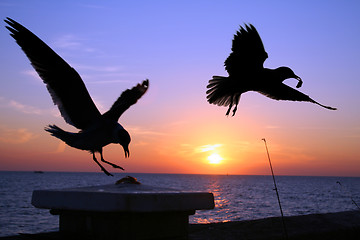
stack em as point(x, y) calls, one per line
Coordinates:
point(237, 197)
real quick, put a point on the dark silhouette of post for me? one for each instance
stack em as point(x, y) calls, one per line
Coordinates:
point(352, 200)
point(277, 193)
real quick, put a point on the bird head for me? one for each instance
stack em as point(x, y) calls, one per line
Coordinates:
point(124, 140)
point(285, 73)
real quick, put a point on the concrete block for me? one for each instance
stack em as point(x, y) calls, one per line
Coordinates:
point(123, 211)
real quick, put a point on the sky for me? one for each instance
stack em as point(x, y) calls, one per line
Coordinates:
point(179, 46)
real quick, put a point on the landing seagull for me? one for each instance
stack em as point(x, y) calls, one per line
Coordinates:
point(246, 73)
point(69, 93)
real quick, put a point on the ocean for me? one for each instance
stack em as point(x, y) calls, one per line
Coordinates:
point(237, 197)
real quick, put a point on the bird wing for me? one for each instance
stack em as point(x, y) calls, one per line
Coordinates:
point(284, 92)
point(64, 84)
point(126, 99)
point(248, 52)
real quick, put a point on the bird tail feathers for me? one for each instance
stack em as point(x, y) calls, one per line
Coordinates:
point(221, 92)
point(218, 91)
point(58, 133)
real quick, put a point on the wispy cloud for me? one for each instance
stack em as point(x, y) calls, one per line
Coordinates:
point(32, 73)
point(141, 131)
point(72, 42)
point(104, 74)
point(27, 109)
point(75, 45)
point(15, 136)
point(60, 148)
point(67, 41)
point(94, 74)
point(208, 147)
point(105, 81)
point(190, 150)
point(107, 69)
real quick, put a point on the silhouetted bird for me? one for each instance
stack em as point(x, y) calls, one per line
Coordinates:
point(246, 73)
point(69, 93)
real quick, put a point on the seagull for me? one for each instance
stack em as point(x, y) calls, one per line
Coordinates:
point(69, 93)
point(246, 73)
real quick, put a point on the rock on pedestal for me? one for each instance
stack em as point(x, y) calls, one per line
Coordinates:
point(123, 211)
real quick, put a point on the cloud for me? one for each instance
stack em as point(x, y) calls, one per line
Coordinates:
point(27, 109)
point(105, 74)
point(15, 136)
point(191, 150)
point(61, 147)
point(68, 41)
point(108, 69)
point(73, 45)
point(32, 73)
point(72, 42)
point(208, 147)
point(141, 131)
point(103, 81)
point(141, 143)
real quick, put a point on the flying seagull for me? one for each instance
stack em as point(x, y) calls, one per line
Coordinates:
point(246, 73)
point(69, 93)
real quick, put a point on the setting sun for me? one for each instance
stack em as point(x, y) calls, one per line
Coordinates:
point(214, 158)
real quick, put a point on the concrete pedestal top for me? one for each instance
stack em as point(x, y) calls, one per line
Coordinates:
point(123, 211)
point(122, 198)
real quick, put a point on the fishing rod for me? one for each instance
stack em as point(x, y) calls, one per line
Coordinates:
point(277, 193)
point(353, 201)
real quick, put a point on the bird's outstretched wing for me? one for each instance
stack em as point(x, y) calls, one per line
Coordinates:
point(248, 52)
point(64, 84)
point(126, 99)
point(284, 92)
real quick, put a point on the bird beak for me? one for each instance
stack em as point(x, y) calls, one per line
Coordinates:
point(300, 81)
point(126, 150)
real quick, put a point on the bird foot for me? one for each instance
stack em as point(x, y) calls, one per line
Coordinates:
point(106, 172)
point(116, 166)
point(299, 84)
point(112, 164)
point(101, 167)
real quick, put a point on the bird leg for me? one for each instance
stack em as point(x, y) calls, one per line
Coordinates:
point(230, 106)
point(111, 164)
point(102, 168)
point(237, 98)
point(228, 111)
point(234, 110)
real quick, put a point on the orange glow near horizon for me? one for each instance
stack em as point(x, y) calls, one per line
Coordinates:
point(186, 148)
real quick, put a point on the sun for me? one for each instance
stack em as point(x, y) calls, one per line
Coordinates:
point(214, 158)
